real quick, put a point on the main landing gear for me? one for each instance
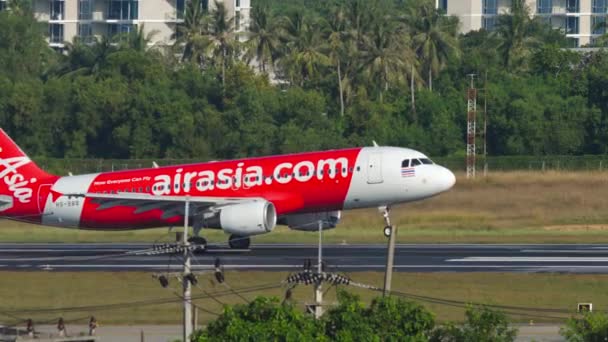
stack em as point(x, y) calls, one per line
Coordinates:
point(239, 242)
point(198, 240)
point(235, 241)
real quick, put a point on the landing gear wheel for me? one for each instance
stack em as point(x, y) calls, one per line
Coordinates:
point(388, 230)
point(199, 242)
point(239, 242)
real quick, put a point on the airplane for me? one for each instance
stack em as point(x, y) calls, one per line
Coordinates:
point(243, 197)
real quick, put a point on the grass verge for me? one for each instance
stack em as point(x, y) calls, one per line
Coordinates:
point(31, 294)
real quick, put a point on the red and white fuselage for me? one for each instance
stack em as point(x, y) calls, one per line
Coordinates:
point(293, 187)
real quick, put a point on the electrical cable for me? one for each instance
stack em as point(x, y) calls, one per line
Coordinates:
point(156, 301)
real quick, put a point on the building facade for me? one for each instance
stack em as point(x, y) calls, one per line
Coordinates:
point(86, 19)
point(579, 19)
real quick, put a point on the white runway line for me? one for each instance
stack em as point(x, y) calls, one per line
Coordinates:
point(530, 259)
point(52, 250)
point(211, 267)
point(573, 251)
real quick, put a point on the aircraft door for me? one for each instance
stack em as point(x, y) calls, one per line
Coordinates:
point(43, 193)
point(374, 168)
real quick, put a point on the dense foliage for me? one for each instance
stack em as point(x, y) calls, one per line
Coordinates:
point(386, 319)
point(591, 327)
point(482, 324)
point(311, 74)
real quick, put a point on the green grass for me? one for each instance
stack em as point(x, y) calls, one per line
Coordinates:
point(38, 290)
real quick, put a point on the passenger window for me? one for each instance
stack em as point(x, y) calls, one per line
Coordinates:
point(148, 188)
point(415, 162)
point(426, 161)
point(405, 163)
point(358, 168)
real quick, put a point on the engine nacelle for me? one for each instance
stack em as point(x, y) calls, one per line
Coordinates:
point(251, 218)
point(310, 221)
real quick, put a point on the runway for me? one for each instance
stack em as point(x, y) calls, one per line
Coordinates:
point(280, 257)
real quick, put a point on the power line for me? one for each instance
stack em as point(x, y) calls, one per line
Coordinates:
point(147, 302)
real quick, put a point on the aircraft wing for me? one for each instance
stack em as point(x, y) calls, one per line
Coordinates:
point(170, 205)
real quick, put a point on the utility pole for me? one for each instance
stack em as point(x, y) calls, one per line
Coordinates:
point(485, 126)
point(318, 287)
point(388, 274)
point(471, 127)
point(185, 278)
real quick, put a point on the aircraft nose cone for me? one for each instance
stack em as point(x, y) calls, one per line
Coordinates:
point(446, 179)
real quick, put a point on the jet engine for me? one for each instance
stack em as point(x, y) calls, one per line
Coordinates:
point(310, 221)
point(250, 218)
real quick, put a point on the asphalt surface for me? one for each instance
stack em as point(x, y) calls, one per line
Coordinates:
point(408, 258)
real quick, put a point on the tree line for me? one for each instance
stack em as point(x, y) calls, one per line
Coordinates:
point(385, 319)
point(309, 74)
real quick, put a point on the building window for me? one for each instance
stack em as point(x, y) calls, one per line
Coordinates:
point(545, 6)
point(180, 8)
point(598, 25)
point(114, 29)
point(237, 3)
point(443, 5)
point(123, 9)
point(572, 25)
point(85, 33)
point(488, 23)
point(237, 21)
point(489, 7)
point(84, 10)
point(572, 6)
point(572, 42)
point(600, 6)
point(56, 33)
point(57, 10)
point(2, 5)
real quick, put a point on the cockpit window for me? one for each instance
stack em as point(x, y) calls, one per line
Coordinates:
point(415, 162)
point(426, 161)
point(405, 163)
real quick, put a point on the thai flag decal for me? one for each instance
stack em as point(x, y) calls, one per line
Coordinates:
point(408, 172)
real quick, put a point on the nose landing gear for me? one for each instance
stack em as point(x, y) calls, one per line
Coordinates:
point(388, 230)
point(239, 242)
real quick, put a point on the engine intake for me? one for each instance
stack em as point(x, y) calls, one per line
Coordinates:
point(251, 218)
point(310, 221)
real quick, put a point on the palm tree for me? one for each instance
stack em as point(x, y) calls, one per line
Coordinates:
point(303, 55)
point(191, 36)
point(434, 37)
point(85, 58)
point(222, 36)
point(601, 27)
point(138, 39)
point(263, 43)
point(336, 38)
point(383, 55)
point(515, 33)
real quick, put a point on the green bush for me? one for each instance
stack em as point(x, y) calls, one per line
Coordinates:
point(591, 327)
point(482, 325)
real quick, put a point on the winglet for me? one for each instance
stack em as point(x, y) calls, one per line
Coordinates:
point(375, 143)
point(154, 164)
